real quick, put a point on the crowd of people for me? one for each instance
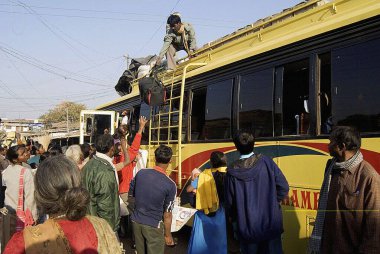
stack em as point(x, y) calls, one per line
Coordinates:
point(247, 201)
point(83, 201)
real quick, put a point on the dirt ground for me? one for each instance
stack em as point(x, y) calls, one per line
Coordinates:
point(182, 237)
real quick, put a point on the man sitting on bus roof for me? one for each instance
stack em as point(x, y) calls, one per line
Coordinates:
point(180, 36)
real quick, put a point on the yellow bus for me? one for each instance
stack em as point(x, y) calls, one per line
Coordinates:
point(289, 78)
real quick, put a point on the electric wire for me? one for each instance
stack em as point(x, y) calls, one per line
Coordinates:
point(158, 29)
point(43, 22)
point(65, 76)
point(160, 16)
point(14, 51)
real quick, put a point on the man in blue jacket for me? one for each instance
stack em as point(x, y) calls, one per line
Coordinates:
point(254, 188)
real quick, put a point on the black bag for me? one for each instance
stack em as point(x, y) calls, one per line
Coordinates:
point(124, 85)
point(152, 91)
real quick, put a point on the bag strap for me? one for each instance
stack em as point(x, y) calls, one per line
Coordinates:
point(153, 73)
point(20, 205)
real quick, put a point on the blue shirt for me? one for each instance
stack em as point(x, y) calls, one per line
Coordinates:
point(154, 193)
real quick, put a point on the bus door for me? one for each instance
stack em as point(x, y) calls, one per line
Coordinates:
point(94, 123)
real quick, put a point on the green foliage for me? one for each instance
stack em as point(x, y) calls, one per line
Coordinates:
point(58, 114)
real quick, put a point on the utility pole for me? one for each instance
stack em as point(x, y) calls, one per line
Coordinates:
point(67, 120)
point(126, 56)
point(67, 126)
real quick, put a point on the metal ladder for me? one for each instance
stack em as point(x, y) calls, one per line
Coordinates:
point(165, 125)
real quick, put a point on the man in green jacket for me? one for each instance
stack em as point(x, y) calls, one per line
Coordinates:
point(99, 177)
point(180, 36)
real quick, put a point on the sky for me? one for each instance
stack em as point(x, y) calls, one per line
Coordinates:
point(54, 51)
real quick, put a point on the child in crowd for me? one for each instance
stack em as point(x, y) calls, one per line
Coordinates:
point(194, 181)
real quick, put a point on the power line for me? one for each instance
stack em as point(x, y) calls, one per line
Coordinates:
point(11, 93)
point(9, 48)
point(120, 19)
point(31, 11)
point(37, 64)
point(22, 75)
point(158, 29)
point(88, 10)
point(58, 98)
point(122, 13)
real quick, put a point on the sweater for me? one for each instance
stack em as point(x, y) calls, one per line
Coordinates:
point(254, 188)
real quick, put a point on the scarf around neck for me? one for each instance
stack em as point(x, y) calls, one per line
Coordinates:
point(352, 163)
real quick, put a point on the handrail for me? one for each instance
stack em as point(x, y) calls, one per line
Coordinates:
point(180, 120)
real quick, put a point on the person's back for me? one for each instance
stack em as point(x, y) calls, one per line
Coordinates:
point(98, 177)
point(150, 199)
point(67, 230)
point(90, 242)
point(154, 194)
point(254, 180)
point(254, 188)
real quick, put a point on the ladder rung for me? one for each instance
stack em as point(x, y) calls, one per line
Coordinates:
point(167, 113)
point(164, 127)
point(163, 141)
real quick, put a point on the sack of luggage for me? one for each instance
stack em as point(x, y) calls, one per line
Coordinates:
point(124, 85)
point(152, 91)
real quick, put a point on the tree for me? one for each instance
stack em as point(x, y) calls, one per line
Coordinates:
point(59, 113)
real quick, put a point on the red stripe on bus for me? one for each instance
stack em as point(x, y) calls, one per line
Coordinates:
point(372, 157)
point(199, 159)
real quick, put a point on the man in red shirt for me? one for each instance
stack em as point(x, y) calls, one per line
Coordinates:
point(125, 174)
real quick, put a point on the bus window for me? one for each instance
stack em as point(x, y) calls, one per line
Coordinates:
point(218, 110)
point(255, 103)
point(325, 93)
point(355, 86)
point(198, 114)
point(295, 94)
point(174, 119)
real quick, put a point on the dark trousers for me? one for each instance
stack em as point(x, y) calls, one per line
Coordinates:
point(149, 240)
point(273, 246)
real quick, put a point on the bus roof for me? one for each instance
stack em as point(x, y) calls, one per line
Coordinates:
point(294, 24)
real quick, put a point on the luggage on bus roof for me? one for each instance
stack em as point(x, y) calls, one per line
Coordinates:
point(124, 85)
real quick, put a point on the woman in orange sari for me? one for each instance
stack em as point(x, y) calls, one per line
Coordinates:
point(68, 229)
